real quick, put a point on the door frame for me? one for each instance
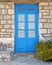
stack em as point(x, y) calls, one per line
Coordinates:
point(14, 25)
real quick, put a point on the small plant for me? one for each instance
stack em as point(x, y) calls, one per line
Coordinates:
point(44, 50)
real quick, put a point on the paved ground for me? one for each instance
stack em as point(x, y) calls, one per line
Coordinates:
point(25, 60)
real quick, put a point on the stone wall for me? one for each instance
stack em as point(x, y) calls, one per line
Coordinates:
point(45, 20)
point(7, 23)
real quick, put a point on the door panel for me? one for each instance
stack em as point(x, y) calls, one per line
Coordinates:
point(31, 17)
point(26, 27)
point(21, 17)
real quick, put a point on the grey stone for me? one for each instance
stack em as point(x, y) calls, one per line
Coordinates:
point(20, 60)
point(6, 55)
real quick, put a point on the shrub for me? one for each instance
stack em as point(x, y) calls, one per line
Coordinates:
point(44, 50)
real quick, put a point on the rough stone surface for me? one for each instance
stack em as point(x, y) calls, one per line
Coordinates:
point(25, 60)
point(10, 11)
point(45, 19)
point(6, 23)
point(6, 18)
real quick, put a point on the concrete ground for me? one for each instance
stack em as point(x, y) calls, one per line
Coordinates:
point(25, 60)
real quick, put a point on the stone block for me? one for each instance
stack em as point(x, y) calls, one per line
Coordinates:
point(47, 7)
point(47, 35)
point(10, 22)
point(10, 11)
point(13, 6)
point(43, 3)
point(43, 31)
point(40, 15)
point(42, 20)
point(12, 16)
point(12, 26)
point(2, 6)
point(43, 11)
point(45, 14)
point(10, 30)
point(3, 30)
point(4, 11)
point(7, 17)
point(41, 25)
point(3, 21)
point(8, 6)
point(4, 33)
point(48, 17)
point(40, 7)
point(7, 26)
point(7, 35)
point(48, 25)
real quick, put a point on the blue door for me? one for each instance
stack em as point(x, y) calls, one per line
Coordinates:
point(26, 27)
